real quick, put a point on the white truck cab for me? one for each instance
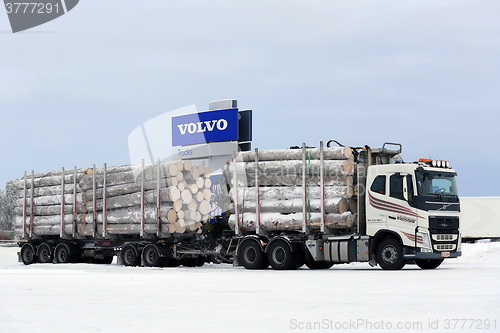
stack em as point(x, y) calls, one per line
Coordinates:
point(410, 209)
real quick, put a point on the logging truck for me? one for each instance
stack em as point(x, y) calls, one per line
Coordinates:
point(397, 213)
point(282, 208)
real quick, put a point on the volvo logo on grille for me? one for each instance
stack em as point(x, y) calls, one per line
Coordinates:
point(444, 207)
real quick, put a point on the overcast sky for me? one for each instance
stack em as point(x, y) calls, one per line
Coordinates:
point(422, 73)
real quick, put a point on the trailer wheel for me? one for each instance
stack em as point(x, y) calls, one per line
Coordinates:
point(45, 255)
point(390, 254)
point(62, 254)
point(428, 263)
point(251, 256)
point(151, 256)
point(280, 255)
point(130, 256)
point(28, 255)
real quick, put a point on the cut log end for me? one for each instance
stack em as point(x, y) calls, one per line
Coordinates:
point(204, 207)
point(172, 216)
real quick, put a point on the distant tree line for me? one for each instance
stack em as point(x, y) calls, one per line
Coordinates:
point(7, 204)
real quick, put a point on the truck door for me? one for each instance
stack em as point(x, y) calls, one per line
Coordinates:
point(376, 208)
point(401, 213)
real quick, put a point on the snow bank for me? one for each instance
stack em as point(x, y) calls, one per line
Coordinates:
point(480, 253)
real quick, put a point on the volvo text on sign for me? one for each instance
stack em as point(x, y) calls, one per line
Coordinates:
point(210, 126)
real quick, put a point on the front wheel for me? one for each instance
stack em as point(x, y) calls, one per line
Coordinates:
point(390, 254)
point(428, 263)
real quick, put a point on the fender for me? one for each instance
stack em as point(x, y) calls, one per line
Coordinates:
point(72, 248)
point(379, 236)
point(294, 246)
point(50, 245)
point(250, 238)
point(163, 250)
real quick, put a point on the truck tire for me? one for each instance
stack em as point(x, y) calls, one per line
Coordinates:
point(299, 259)
point(151, 256)
point(28, 254)
point(251, 256)
point(130, 256)
point(62, 254)
point(280, 256)
point(390, 254)
point(45, 254)
point(428, 263)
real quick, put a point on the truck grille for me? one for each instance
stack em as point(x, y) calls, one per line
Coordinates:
point(443, 225)
point(444, 237)
point(445, 247)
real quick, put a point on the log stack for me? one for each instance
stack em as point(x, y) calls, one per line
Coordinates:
point(285, 184)
point(169, 197)
point(40, 195)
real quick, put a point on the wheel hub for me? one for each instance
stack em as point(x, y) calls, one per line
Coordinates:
point(63, 255)
point(28, 255)
point(279, 255)
point(129, 256)
point(250, 255)
point(390, 254)
point(151, 256)
point(44, 255)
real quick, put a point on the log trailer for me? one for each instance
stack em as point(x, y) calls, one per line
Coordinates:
point(400, 213)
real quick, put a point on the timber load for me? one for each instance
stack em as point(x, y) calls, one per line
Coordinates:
point(308, 189)
point(152, 199)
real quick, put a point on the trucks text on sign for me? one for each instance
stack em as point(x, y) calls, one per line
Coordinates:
point(210, 126)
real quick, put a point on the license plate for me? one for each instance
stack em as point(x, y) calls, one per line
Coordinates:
point(445, 254)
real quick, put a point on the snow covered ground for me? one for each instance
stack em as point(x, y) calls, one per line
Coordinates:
point(462, 295)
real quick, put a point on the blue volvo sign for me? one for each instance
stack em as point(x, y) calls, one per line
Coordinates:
point(210, 126)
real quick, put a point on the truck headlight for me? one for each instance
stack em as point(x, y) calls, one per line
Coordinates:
point(426, 241)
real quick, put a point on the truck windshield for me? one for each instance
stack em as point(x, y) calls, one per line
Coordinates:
point(436, 183)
